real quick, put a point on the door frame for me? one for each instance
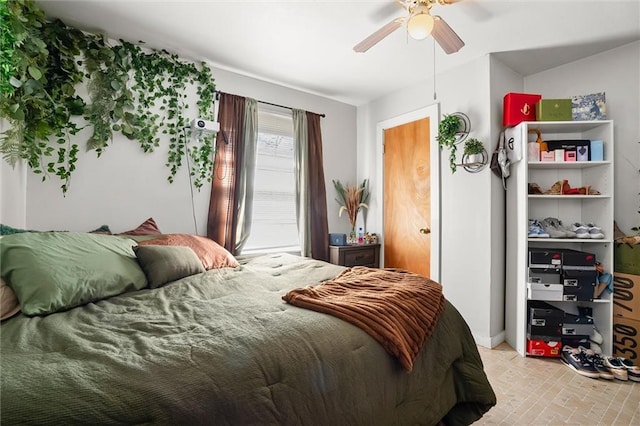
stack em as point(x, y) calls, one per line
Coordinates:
point(433, 113)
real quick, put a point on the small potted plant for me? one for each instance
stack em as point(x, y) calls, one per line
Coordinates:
point(473, 149)
point(448, 130)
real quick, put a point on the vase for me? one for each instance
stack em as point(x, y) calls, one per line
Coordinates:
point(352, 238)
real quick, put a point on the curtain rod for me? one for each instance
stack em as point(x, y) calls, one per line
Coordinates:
point(217, 92)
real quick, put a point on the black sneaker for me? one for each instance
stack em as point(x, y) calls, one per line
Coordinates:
point(598, 363)
point(632, 370)
point(578, 362)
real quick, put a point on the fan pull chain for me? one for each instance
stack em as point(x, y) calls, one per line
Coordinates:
point(434, 68)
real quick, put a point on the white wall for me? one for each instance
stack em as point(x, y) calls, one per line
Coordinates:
point(466, 198)
point(617, 73)
point(125, 186)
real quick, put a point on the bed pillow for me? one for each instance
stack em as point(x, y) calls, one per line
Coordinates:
point(104, 229)
point(9, 305)
point(55, 271)
point(148, 227)
point(163, 264)
point(211, 254)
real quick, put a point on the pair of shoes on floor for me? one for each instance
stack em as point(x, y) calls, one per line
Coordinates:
point(536, 230)
point(584, 362)
point(555, 229)
point(587, 231)
point(623, 368)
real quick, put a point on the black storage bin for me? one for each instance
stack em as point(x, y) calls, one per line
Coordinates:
point(544, 257)
point(578, 285)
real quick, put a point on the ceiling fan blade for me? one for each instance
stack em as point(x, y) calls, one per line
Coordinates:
point(376, 37)
point(445, 36)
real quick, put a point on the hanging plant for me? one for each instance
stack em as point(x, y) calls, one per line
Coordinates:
point(453, 129)
point(140, 94)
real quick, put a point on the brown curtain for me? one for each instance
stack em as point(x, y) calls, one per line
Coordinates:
point(222, 220)
point(317, 191)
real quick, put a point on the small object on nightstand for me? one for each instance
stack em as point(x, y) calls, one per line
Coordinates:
point(338, 239)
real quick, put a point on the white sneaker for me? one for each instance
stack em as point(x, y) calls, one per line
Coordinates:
point(596, 337)
point(594, 231)
point(580, 230)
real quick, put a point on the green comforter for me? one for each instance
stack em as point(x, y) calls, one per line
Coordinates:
point(223, 348)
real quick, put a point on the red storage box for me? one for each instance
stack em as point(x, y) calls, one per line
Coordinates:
point(549, 349)
point(518, 107)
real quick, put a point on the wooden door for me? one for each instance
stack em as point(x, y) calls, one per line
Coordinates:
point(407, 197)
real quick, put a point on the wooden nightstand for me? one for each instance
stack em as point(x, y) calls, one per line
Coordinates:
point(355, 255)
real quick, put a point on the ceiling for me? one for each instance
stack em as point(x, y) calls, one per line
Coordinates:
point(308, 44)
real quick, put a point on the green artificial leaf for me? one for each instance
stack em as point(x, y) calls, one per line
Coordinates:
point(15, 82)
point(35, 72)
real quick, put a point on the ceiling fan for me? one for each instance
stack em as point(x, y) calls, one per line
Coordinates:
point(420, 24)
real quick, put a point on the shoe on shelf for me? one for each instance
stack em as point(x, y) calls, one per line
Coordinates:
point(597, 361)
point(535, 230)
point(617, 368)
point(577, 360)
point(581, 230)
point(596, 337)
point(550, 228)
point(594, 231)
point(534, 189)
point(633, 371)
point(556, 188)
point(557, 224)
point(595, 348)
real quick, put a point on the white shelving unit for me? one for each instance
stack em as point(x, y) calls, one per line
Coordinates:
point(596, 209)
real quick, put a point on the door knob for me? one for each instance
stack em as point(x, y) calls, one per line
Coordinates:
point(425, 230)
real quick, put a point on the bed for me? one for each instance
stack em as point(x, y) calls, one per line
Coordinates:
point(218, 347)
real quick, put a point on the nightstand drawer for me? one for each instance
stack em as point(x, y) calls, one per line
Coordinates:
point(360, 258)
point(355, 255)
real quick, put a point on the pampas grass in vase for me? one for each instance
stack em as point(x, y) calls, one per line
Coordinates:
point(351, 199)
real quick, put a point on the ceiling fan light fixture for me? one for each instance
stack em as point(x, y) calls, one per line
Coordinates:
point(420, 25)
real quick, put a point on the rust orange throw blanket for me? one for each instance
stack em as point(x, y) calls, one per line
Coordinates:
point(397, 308)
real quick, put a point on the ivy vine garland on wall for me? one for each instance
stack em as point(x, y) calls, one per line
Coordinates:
point(42, 63)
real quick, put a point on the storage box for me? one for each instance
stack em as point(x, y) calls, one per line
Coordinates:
point(575, 259)
point(519, 107)
point(541, 291)
point(626, 295)
point(578, 285)
point(569, 156)
point(626, 338)
point(554, 110)
point(547, 156)
point(576, 341)
point(626, 259)
point(576, 325)
point(545, 348)
point(545, 275)
point(579, 146)
point(597, 150)
point(544, 257)
point(543, 314)
point(539, 331)
point(582, 153)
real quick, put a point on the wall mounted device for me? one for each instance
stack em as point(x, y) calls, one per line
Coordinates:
point(206, 126)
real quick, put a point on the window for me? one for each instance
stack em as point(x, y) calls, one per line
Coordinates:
point(273, 226)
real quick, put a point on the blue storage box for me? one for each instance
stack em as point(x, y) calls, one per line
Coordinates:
point(597, 150)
